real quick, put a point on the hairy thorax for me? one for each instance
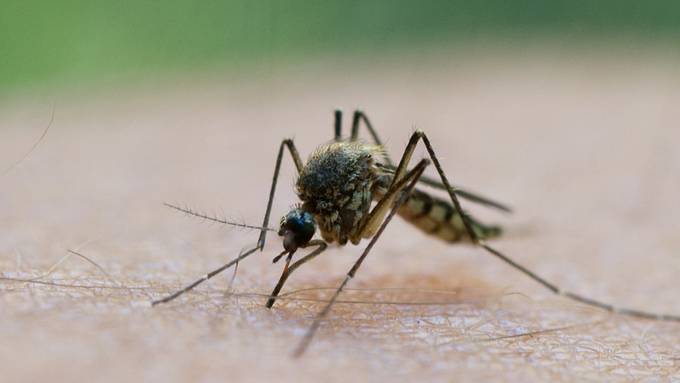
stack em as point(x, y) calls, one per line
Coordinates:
point(336, 186)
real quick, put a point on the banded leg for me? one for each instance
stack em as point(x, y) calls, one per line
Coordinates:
point(286, 143)
point(288, 270)
point(419, 135)
point(405, 186)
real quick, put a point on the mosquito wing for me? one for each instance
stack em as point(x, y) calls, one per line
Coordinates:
point(462, 193)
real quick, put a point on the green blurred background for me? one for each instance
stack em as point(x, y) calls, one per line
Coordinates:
point(76, 42)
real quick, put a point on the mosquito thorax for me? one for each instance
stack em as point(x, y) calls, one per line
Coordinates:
point(297, 229)
point(336, 185)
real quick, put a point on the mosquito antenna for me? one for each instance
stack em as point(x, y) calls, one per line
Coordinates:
point(35, 145)
point(214, 218)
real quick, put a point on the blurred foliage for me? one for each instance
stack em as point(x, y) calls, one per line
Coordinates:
point(66, 41)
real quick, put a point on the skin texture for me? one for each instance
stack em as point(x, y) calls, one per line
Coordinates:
point(583, 149)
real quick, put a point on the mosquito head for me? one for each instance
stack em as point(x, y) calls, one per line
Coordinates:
point(297, 229)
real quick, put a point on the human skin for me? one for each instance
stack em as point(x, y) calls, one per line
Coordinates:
point(583, 150)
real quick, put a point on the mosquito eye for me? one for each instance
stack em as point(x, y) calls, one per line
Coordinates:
point(301, 224)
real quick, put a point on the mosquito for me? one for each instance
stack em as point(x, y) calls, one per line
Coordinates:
point(350, 191)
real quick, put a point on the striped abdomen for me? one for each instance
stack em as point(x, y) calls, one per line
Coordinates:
point(438, 217)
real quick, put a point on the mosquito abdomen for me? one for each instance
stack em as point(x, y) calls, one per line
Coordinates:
point(439, 218)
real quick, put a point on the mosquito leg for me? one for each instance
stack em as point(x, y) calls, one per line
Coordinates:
point(337, 124)
point(287, 143)
point(464, 194)
point(357, 118)
point(378, 213)
point(419, 135)
point(287, 271)
point(205, 277)
point(470, 196)
point(356, 123)
point(405, 186)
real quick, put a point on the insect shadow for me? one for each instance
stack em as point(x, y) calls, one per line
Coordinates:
point(350, 191)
